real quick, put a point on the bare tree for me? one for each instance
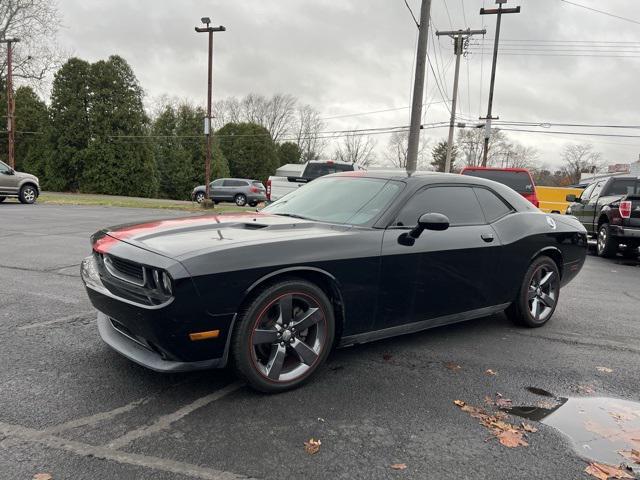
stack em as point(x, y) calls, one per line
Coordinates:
point(514, 155)
point(396, 152)
point(307, 133)
point(471, 143)
point(355, 148)
point(580, 158)
point(35, 23)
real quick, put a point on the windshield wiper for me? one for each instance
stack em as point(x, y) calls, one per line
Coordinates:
point(293, 215)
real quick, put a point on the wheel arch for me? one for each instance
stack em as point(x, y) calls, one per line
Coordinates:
point(323, 279)
point(28, 181)
point(552, 252)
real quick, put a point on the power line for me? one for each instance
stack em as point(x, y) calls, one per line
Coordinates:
point(378, 111)
point(626, 19)
point(412, 14)
point(582, 134)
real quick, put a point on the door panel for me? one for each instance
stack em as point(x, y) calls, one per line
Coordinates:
point(8, 183)
point(443, 273)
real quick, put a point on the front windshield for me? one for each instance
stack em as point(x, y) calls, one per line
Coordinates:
point(348, 200)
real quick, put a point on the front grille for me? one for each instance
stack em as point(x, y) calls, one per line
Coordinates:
point(125, 270)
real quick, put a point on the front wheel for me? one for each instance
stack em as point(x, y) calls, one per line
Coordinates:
point(283, 336)
point(199, 197)
point(538, 295)
point(607, 245)
point(2, 199)
point(28, 194)
point(241, 200)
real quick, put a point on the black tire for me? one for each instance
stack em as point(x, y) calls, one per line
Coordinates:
point(2, 199)
point(606, 244)
point(28, 194)
point(253, 204)
point(537, 289)
point(199, 197)
point(279, 358)
point(240, 199)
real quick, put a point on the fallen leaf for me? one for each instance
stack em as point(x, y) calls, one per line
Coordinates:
point(512, 438)
point(622, 417)
point(585, 389)
point(488, 400)
point(503, 402)
point(490, 372)
point(386, 356)
point(604, 369)
point(633, 455)
point(528, 428)
point(547, 404)
point(459, 403)
point(452, 366)
point(312, 446)
point(399, 466)
point(42, 476)
point(605, 472)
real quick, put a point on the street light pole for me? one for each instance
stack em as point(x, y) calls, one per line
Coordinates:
point(11, 105)
point(207, 120)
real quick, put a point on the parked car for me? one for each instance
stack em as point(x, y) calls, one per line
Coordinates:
point(609, 209)
point(517, 178)
point(240, 191)
point(554, 199)
point(279, 185)
point(347, 259)
point(24, 186)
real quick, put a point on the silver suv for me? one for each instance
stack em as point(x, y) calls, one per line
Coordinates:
point(240, 191)
point(17, 184)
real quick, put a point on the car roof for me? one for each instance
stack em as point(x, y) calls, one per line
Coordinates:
point(497, 169)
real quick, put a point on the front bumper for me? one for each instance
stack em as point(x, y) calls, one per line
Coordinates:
point(157, 336)
point(135, 351)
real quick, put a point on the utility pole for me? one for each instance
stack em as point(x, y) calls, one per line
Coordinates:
point(418, 88)
point(11, 104)
point(460, 39)
point(487, 128)
point(207, 121)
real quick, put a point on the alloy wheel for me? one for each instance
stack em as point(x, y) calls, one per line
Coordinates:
point(542, 294)
point(241, 200)
point(288, 337)
point(29, 195)
point(199, 197)
point(602, 239)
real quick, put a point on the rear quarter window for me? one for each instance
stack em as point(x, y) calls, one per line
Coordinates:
point(520, 181)
point(626, 186)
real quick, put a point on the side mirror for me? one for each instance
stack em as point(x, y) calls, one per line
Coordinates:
point(427, 221)
point(571, 198)
point(11, 171)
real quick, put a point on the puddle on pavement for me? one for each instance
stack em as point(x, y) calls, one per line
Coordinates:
point(598, 427)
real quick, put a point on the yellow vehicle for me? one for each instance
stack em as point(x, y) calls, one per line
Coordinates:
point(554, 199)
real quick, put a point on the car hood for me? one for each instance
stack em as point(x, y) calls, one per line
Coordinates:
point(181, 238)
point(23, 175)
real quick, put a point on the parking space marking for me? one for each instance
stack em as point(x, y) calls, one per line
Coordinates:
point(165, 421)
point(95, 419)
point(69, 318)
point(28, 435)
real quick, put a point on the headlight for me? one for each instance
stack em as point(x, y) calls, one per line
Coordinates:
point(166, 283)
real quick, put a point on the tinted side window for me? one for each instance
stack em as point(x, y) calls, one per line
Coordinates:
point(492, 205)
point(3, 167)
point(216, 183)
point(626, 186)
point(315, 170)
point(587, 192)
point(460, 204)
point(598, 189)
point(235, 183)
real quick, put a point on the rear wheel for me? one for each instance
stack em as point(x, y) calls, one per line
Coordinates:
point(28, 194)
point(538, 296)
point(607, 245)
point(200, 197)
point(253, 204)
point(283, 336)
point(241, 200)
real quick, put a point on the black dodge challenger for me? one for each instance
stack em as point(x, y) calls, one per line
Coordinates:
point(347, 259)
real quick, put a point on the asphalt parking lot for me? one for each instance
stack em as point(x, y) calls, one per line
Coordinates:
point(74, 409)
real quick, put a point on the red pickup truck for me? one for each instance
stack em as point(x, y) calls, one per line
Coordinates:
point(517, 178)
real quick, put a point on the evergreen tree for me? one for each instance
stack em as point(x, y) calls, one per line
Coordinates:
point(439, 155)
point(32, 144)
point(70, 130)
point(119, 160)
point(249, 149)
point(289, 152)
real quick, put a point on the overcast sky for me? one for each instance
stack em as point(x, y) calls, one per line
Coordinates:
point(353, 56)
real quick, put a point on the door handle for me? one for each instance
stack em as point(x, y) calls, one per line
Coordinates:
point(487, 237)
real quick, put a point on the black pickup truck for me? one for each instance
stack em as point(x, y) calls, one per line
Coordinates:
point(609, 209)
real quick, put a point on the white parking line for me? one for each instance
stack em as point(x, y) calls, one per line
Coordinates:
point(28, 435)
point(165, 421)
